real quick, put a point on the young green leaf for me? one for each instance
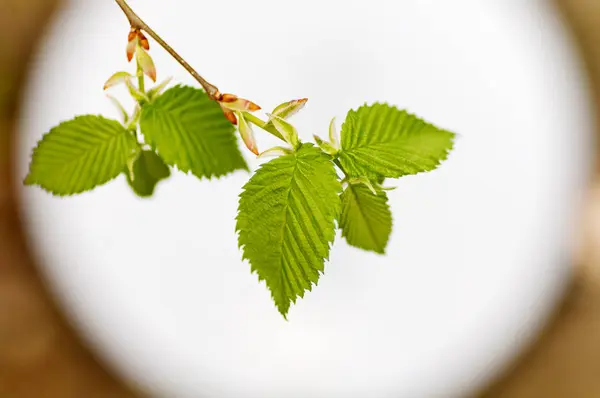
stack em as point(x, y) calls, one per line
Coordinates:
point(146, 63)
point(120, 107)
point(325, 145)
point(289, 109)
point(247, 133)
point(380, 140)
point(148, 170)
point(366, 219)
point(80, 154)
point(189, 131)
point(158, 89)
point(334, 138)
point(117, 78)
point(286, 222)
point(287, 130)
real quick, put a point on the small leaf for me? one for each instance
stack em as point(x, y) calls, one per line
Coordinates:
point(365, 181)
point(247, 133)
point(366, 219)
point(135, 93)
point(146, 63)
point(148, 170)
point(381, 140)
point(120, 107)
point(135, 118)
point(333, 135)
point(286, 222)
point(158, 89)
point(276, 151)
point(117, 78)
point(189, 131)
point(289, 109)
point(325, 146)
point(81, 154)
point(289, 132)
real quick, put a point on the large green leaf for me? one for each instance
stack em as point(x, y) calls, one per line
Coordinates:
point(147, 170)
point(381, 140)
point(80, 154)
point(190, 131)
point(366, 219)
point(286, 222)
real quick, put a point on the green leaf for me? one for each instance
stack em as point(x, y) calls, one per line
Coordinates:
point(366, 219)
point(380, 140)
point(286, 222)
point(190, 131)
point(287, 130)
point(148, 169)
point(80, 154)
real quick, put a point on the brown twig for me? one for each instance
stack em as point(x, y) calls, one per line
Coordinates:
point(138, 24)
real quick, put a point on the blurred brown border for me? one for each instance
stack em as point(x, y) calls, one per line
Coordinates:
point(40, 356)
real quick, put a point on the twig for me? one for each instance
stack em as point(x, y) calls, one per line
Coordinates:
point(138, 24)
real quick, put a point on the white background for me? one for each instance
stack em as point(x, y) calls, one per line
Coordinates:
point(479, 251)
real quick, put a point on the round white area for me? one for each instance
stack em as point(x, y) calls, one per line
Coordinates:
point(480, 248)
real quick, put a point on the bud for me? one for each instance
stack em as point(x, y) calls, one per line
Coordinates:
point(289, 132)
point(229, 114)
point(117, 78)
point(134, 38)
point(146, 63)
point(247, 133)
point(143, 41)
point(131, 46)
point(289, 109)
point(234, 103)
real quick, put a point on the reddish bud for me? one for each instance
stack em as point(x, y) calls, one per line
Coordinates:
point(235, 103)
point(132, 35)
point(143, 41)
point(228, 98)
point(230, 115)
point(131, 46)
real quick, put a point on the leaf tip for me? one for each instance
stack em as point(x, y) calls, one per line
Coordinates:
point(29, 180)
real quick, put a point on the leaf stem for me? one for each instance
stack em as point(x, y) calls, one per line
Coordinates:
point(141, 80)
point(269, 128)
point(137, 23)
point(337, 162)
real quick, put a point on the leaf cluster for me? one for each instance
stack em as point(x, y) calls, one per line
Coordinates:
point(290, 208)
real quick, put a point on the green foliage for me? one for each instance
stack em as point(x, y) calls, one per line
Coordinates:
point(380, 140)
point(81, 154)
point(288, 209)
point(146, 171)
point(366, 219)
point(190, 132)
point(286, 222)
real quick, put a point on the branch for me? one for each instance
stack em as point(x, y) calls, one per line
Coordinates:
point(138, 24)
